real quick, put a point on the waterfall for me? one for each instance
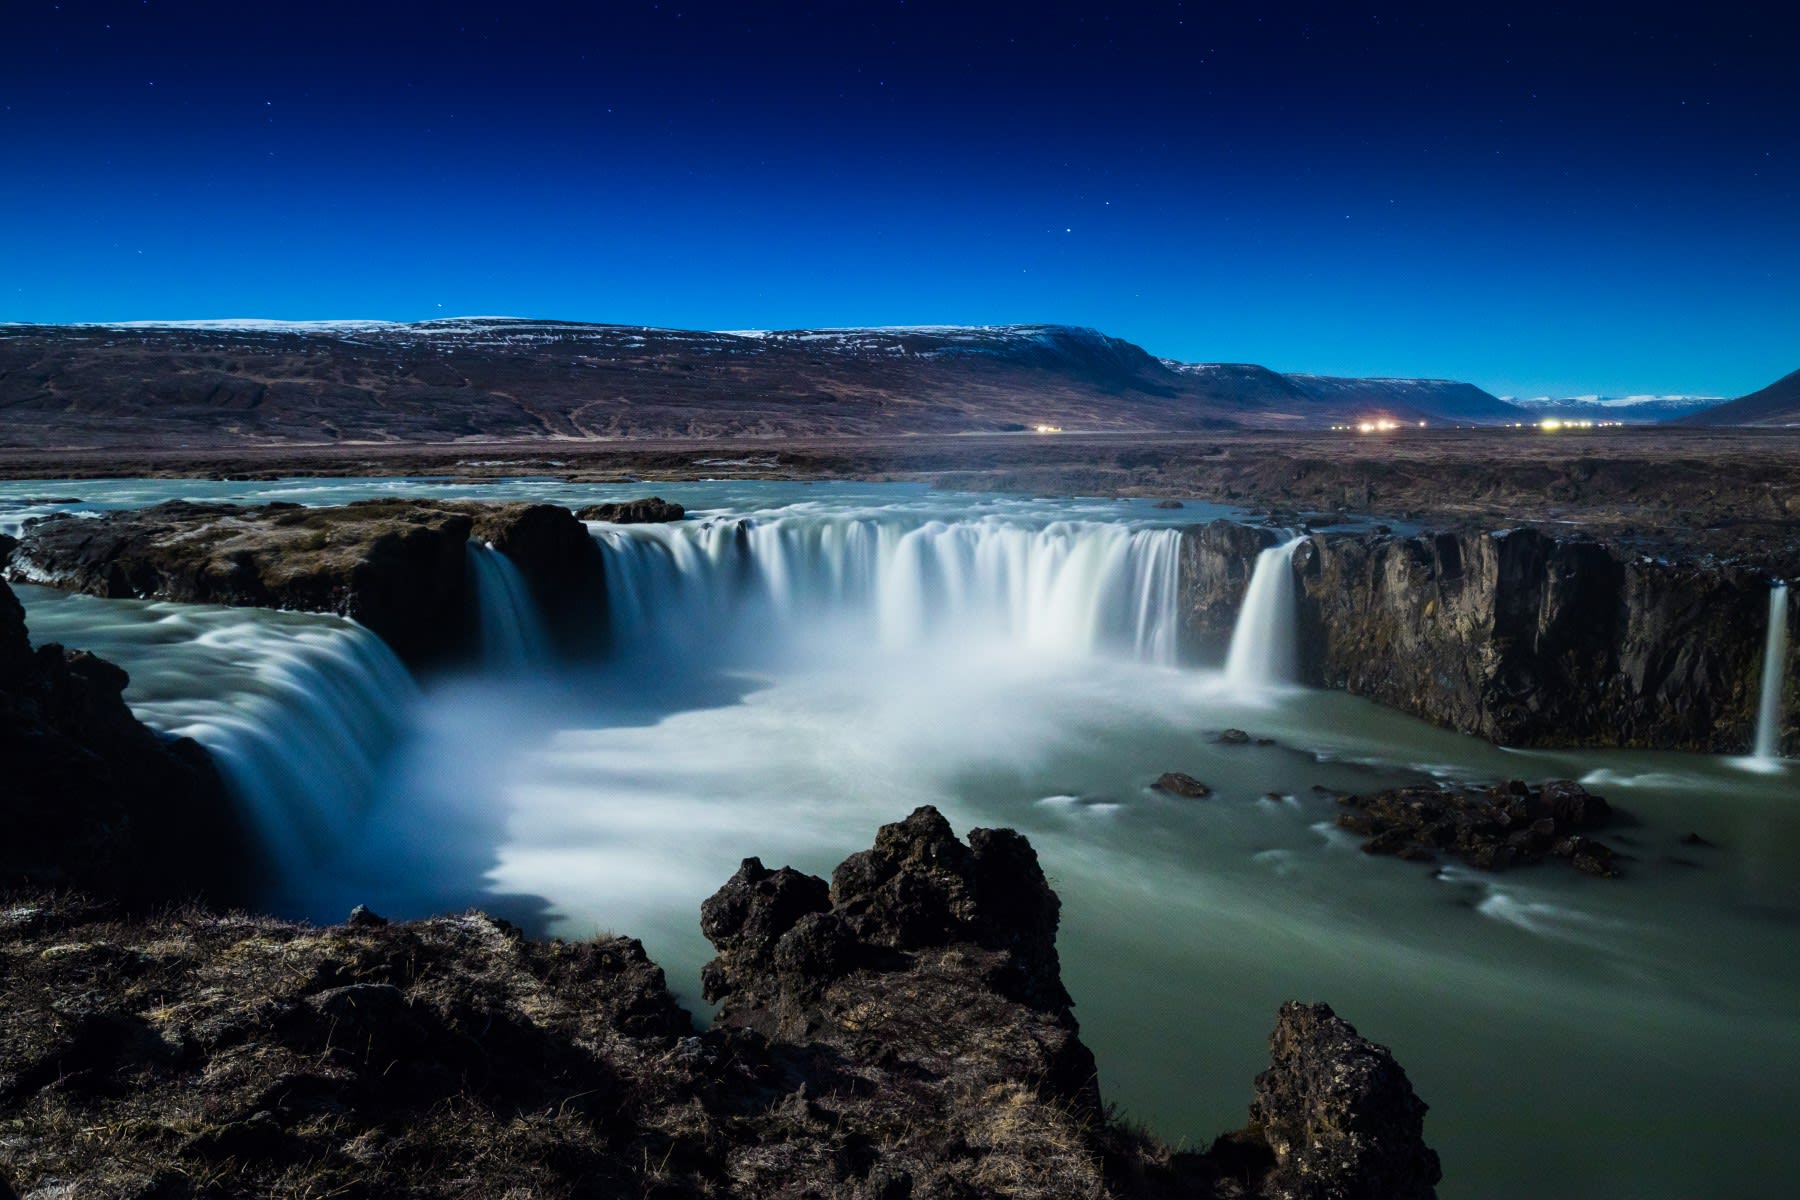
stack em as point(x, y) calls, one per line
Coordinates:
point(1066, 588)
point(1768, 709)
point(301, 738)
point(299, 710)
point(1263, 651)
point(513, 637)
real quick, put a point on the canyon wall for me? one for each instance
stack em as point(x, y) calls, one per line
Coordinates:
point(1523, 637)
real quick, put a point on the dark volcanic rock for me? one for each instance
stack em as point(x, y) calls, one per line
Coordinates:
point(1216, 562)
point(1339, 1115)
point(1177, 783)
point(1491, 828)
point(1522, 637)
point(650, 510)
point(397, 566)
point(560, 562)
point(902, 1032)
point(1531, 640)
point(92, 798)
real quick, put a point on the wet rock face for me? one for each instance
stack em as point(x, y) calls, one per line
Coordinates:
point(1339, 1115)
point(92, 798)
point(1530, 640)
point(1216, 562)
point(1524, 638)
point(647, 511)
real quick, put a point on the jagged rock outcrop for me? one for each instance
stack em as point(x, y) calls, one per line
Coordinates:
point(397, 566)
point(1351, 1131)
point(647, 511)
point(909, 934)
point(1523, 637)
point(1216, 562)
point(93, 799)
point(901, 1032)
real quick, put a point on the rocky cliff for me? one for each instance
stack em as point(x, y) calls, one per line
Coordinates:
point(93, 799)
point(900, 1032)
point(1524, 637)
point(397, 566)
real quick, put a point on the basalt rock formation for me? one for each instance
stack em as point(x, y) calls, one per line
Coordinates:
point(1490, 828)
point(901, 1032)
point(649, 510)
point(92, 798)
point(1216, 562)
point(1525, 638)
point(397, 566)
point(1354, 1132)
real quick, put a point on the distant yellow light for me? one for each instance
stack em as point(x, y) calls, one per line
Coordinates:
point(1550, 424)
point(1049, 428)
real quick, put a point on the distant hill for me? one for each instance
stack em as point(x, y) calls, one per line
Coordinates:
point(1776, 405)
point(213, 383)
point(1631, 410)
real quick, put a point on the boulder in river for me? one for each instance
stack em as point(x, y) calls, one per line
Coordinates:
point(1178, 783)
point(649, 510)
point(1490, 828)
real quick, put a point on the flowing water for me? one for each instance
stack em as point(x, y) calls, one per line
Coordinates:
point(1263, 651)
point(513, 637)
point(1768, 709)
point(799, 665)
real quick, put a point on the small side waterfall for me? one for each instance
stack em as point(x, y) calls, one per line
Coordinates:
point(1070, 587)
point(1263, 651)
point(1768, 709)
point(513, 637)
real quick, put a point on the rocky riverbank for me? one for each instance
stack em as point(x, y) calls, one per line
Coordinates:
point(1523, 637)
point(899, 1032)
point(398, 566)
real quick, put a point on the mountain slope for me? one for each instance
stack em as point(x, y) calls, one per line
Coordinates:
point(1776, 405)
point(216, 383)
point(1627, 410)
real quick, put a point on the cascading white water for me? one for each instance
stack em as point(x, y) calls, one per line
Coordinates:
point(1768, 709)
point(513, 637)
point(1070, 587)
point(298, 710)
point(1263, 650)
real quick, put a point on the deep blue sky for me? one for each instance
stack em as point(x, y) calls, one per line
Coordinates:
point(1535, 199)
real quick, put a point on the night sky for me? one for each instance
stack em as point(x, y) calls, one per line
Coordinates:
point(1545, 199)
